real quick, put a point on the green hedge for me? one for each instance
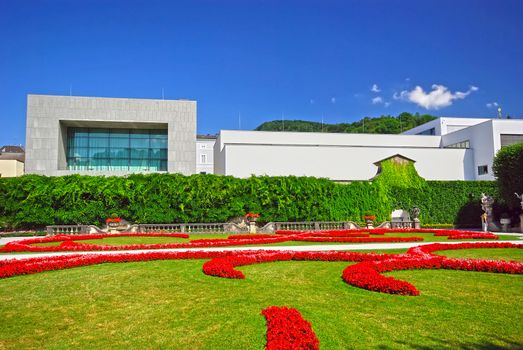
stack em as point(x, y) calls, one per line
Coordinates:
point(35, 201)
point(508, 169)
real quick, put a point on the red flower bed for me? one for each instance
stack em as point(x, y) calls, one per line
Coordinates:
point(251, 236)
point(357, 240)
point(224, 267)
point(427, 250)
point(366, 274)
point(337, 234)
point(474, 236)
point(288, 330)
point(24, 245)
point(342, 236)
point(15, 267)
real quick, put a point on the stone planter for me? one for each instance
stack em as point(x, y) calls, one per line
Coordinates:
point(505, 224)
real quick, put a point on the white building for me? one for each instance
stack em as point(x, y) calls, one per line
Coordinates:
point(205, 154)
point(483, 136)
point(443, 149)
point(11, 161)
point(118, 136)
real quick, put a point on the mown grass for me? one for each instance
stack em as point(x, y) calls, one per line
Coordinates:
point(514, 254)
point(427, 237)
point(172, 304)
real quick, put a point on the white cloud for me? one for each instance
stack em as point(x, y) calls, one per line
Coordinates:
point(377, 100)
point(375, 88)
point(333, 100)
point(492, 104)
point(386, 104)
point(439, 97)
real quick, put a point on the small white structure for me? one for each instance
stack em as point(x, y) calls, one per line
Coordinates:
point(11, 161)
point(443, 149)
point(205, 154)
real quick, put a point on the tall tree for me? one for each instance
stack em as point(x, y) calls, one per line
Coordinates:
point(508, 169)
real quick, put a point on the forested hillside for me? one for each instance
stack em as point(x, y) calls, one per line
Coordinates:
point(385, 124)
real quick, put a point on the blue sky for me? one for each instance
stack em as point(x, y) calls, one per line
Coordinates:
point(302, 59)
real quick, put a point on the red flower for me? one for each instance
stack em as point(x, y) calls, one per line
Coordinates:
point(111, 220)
point(288, 330)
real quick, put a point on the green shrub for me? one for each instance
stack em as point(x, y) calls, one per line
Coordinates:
point(34, 201)
point(508, 169)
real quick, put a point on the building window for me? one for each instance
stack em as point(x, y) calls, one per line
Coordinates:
point(483, 170)
point(462, 144)
point(203, 146)
point(99, 149)
point(431, 131)
point(510, 139)
point(203, 158)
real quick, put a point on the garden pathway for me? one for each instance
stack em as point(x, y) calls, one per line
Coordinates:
point(324, 247)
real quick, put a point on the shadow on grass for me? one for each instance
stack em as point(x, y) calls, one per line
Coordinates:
point(497, 343)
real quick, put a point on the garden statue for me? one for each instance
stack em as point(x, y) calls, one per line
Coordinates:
point(484, 222)
point(486, 204)
point(520, 197)
point(414, 214)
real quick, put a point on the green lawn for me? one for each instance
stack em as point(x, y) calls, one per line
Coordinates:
point(515, 254)
point(172, 304)
point(428, 237)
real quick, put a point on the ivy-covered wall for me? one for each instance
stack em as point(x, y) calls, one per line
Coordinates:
point(36, 201)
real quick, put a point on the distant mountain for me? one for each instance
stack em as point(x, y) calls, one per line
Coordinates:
point(385, 124)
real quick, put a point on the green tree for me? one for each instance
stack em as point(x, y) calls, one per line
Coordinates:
point(384, 124)
point(508, 169)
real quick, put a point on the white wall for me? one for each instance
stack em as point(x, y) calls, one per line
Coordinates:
point(205, 163)
point(485, 141)
point(481, 143)
point(444, 126)
point(335, 156)
point(11, 168)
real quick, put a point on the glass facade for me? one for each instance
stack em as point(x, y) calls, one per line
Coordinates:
point(116, 149)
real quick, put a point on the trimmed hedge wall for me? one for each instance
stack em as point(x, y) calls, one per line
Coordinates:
point(35, 201)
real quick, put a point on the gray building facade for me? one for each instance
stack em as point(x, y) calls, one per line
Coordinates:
point(109, 136)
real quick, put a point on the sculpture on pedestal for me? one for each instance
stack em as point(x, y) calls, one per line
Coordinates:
point(487, 218)
point(486, 204)
point(414, 215)
point(520, 197)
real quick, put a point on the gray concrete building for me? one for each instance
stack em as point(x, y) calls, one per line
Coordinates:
point(109, 136)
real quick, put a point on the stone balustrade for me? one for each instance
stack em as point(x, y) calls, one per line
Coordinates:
point(68, 229)
point(229, 227)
